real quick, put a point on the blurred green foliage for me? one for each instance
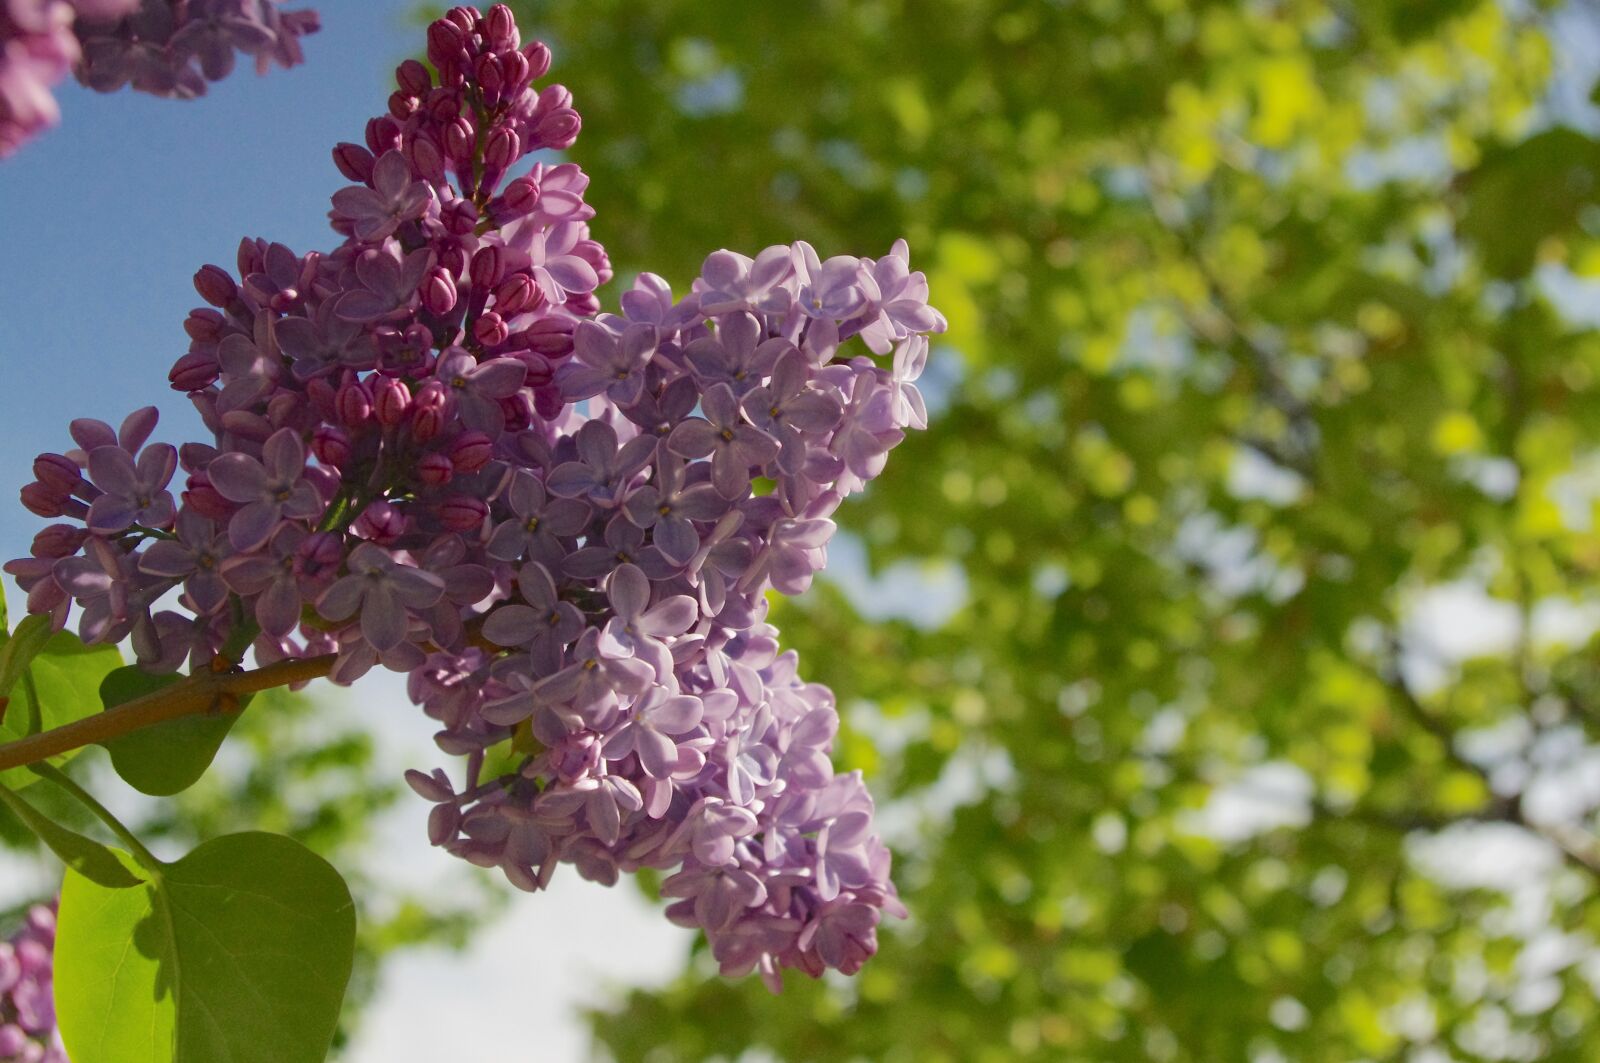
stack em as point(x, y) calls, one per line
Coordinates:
point(1252, 344)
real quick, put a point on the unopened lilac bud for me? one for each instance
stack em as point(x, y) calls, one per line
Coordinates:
point(204, 325)
point(487, 265)
point(438, 292)
point(460, 218)
point(413, 78)
point(381, 523)
point(520, 197)
point(425, 158)
point(428, 412)
point(500, 27)
point(194, 371)
point(215, 286)
point(471, 451)
point(463, 513)
point(354, 161)
point(466, 19)
point(58, 472)
point(502, 148)
point(42, 500)
point(514, 65)
point(331, 446)
point(354, 403)
point(490, 329)
point(58, 541)
point(447, 42)
point(453, 260)
point(538, 57)
point(250, 258)
point(459, 141)
point(558, 129)
point(489, 77)
point(401, 106)
point(539, 371)
point(515, 294)
point(382, 135)
point(391, 402)
point(319, 556)
point(443, 105)
point(205, 499)
point(551, 337)
point(435, 470)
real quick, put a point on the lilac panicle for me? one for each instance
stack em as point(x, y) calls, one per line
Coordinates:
point(432, 451)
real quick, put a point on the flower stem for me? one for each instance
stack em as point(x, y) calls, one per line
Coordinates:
point(51, 774)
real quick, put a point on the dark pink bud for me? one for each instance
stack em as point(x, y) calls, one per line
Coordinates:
point(558, 129)
point(58, 541)
point(466, 19)
point(413, 78)
point(539, 371)
point(501, 28)
point(438, 292)
point(518, 411)
point(487, 266)
point(585, 304)
point(490, 329)
point(251, 257)
point(435, 470)
point(471, 451)
point(401, 106)
point(516, 293)
point(391, 402)
point(426, 159)
point(520, 197)
point(502, 148)
point(319, 557)
point(354, 161)
point(447, 42)
point(453, 259)
point(331, 446)
point(459, 141)
point(460, 218)
point(353, 403)
point(58, 472)
point(462, 513)
point(42, 500)
point(490, 79)
point(428, 412)
point(380, 522)
point(205, 499)
point(551, 337)
point(443, 105)
point(538, 57)
point(383, 134)
point(514, 65)
point(215, 286)
point(194, 371)
point(204, 325)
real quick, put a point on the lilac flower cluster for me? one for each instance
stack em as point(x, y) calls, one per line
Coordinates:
point(27, 1001)
point(433, 452)
point(164, 47)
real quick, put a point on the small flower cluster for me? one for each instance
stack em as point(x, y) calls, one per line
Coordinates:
point(27, 1001)
point(164, 47)
point(433, 452)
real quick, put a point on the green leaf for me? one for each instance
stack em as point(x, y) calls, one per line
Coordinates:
point(239, 952)
point(169, 757)
point(62, 685)
point(87, 857)
point(23, 645)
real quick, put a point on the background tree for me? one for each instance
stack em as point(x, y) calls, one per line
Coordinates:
point(1259, 361)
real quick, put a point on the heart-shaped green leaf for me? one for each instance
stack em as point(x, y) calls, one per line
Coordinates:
point(237, 953)
point(169, 757)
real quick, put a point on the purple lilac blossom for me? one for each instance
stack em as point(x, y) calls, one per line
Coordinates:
point(27, 998)
point(165, 47)
point(432, 452)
